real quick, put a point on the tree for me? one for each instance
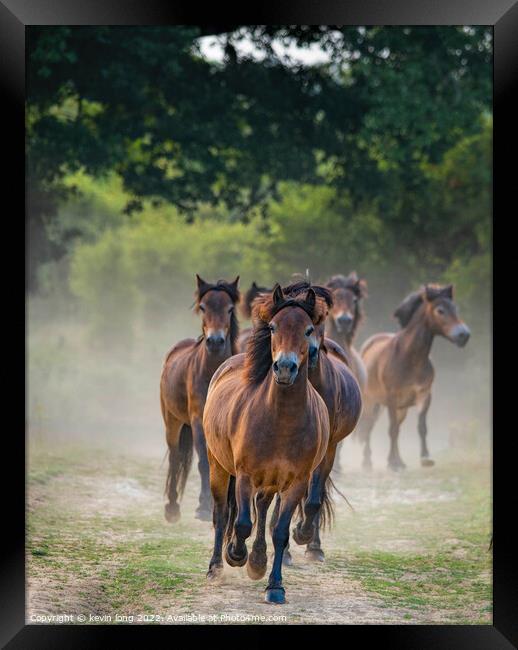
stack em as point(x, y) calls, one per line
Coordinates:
point(143, 102)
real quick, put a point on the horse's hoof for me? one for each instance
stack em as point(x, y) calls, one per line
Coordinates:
point(315, 555)
point(427, 462)
point(235, 560)
point(287, 560)
point(299, 537)
point(203, 514)
point(275, 595)
point(172, 512)
point(256, 565)
point(397, 466)
point(214, 572)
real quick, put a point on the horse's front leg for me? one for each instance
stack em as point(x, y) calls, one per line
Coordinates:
point(287, 559)
point(396, 417)
point(219, 485)
point(423, 407)
point(236, 552)
point(275, 592)
point(257, 560)
point(204, 509)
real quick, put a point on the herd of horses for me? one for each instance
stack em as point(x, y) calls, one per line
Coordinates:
point(267, 409)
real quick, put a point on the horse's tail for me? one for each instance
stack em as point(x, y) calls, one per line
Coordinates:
point(327, 508)
point(232, 508)
point(183, 452)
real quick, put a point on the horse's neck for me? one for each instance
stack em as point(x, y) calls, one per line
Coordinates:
point(416, 340)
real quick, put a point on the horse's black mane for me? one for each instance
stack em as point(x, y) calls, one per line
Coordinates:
point(258, 349)
point(345, 282)
point(412, 302)
point(408, 307)
point(303, 285)
point(221, 285)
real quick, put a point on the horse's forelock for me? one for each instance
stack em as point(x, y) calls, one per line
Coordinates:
point(221, 285)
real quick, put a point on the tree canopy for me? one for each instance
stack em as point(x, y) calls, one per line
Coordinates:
point(372, 122)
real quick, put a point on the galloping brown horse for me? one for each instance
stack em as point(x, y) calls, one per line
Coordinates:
point(346, 315)
point(400, 373)
point(186, 374)
point(246, 310)
point(337, 386)
point(271, 435)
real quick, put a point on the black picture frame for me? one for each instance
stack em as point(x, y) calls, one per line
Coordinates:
point(15, 16)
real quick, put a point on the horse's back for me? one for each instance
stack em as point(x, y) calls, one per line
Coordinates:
point(349, 403)
point(336, 350)
point(173, 382)
point(179, 348)
point(374, 344)
point(243, 339)
point(224, 404)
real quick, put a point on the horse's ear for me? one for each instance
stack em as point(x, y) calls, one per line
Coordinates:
point(363, 288)
point(235, 283)
point(311, 297)
point(277, 296)
point(353, 277)
point(201, 284)
point(447, 291)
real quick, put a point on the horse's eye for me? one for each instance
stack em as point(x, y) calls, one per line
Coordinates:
point(202, 307)
point(440, 311)
point(231, 309)
point(310, 330)
point(271, 327)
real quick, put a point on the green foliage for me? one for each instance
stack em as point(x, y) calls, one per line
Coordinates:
point(179, 128)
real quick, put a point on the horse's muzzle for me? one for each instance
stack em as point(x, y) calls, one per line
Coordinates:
point(344, 323)
point(460, 335)
point(285, 370)
point(313, 356)
point(215, 343)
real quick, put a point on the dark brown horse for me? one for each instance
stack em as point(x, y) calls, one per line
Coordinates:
point(186, 374)
point(400, 373)
point(337, 386)
point(346, 315)
point(271, 434)
point(246, 310)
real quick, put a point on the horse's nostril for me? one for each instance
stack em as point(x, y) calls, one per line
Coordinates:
point(293, 367)
point(276, 366)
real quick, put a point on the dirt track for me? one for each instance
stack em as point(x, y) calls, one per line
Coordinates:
point(414, 551)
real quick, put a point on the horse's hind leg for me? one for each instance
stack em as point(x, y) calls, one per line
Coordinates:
point(281, 531)
point(314, 551)
point(426, 461)
point(204, 509)
point(173, 429)
point(236, 552)
point(257, 560)
point(303, 532)
point(365, 426)
point(219, 485)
